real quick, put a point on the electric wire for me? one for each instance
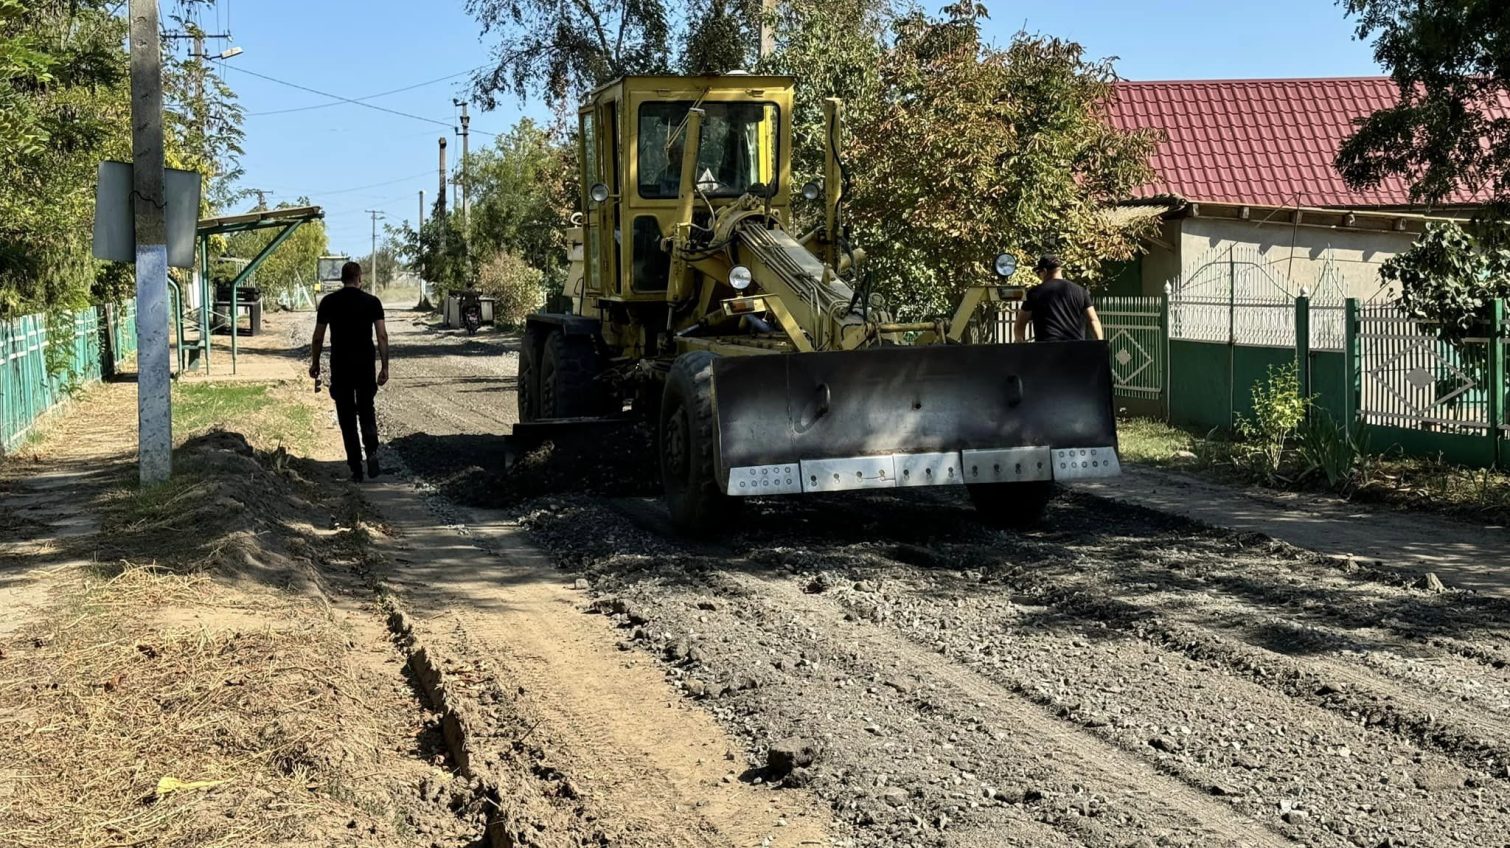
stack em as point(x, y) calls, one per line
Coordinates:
point(350, 100)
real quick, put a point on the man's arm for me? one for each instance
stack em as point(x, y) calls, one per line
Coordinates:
point(316, 345)
point(1020, 329)
point(382, 339)
point(1096, 332)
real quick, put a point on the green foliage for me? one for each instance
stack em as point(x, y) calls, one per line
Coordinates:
point(973, 150)
point(1449, 278)
point(566, 47)
point(516, 286)
point(64, 108)
point(1340, 454)
point(520, 202)
point(292, 264)
point(1278, 411)
point(1451, 62)
point(721, 36)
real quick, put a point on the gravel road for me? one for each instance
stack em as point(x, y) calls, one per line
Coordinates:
point(1117, 678)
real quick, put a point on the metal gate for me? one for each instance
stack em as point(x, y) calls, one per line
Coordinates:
point(1135, 331)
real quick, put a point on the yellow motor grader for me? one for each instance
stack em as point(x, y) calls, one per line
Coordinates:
point(759, 353)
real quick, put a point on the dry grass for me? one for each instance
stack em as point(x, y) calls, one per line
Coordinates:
point(108, 704)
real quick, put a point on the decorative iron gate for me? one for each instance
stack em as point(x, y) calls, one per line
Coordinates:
point(1135, 332)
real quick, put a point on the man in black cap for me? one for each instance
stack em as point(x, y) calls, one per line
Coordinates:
point(1059, 309)
point(352, 315)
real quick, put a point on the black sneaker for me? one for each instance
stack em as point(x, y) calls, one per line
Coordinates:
point(373, 469)
point(356, 476)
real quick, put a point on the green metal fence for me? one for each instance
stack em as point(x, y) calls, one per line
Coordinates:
point(86, 345)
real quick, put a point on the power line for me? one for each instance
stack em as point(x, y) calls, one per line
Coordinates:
point(342, 99)
point(447, 124)
point(370, 96)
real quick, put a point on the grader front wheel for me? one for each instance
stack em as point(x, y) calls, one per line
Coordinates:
point(688, 447)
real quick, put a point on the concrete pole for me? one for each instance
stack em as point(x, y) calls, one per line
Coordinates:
point(466, 149)
point(421, 219)
point(153, 399)
point(374, 213)
point(441, 210)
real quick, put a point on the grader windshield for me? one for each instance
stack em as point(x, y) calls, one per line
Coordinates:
point(738, 148)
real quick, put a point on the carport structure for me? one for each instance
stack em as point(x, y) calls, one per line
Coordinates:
point(286, 220)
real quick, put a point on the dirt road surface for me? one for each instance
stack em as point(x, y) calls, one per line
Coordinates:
point(1120, 677)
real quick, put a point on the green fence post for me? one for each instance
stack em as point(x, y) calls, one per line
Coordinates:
point(1497, 412)
point(1167, 378)
point(1303, 341)
point(1351, 364)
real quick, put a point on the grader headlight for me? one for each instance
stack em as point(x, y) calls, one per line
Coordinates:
point(739, 277)
point(1006, 265)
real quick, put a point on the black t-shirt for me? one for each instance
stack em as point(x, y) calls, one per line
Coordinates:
point(1058, 310)
point(350, 313)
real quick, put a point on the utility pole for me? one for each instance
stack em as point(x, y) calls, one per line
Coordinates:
point(441, 209)
point(466, 149)
point(375, 213)
point(421, 225)
point(767, 32)
point(154, 412)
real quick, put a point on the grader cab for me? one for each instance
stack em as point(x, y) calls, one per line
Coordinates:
point(760, 354)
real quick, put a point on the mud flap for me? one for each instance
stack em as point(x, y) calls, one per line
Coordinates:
point(775, 412)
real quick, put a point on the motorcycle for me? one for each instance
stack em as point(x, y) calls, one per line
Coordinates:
point(471, 315)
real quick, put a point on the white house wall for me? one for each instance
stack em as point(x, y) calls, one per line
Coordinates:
point(1298, 254)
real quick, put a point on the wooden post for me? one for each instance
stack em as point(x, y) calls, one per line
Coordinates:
point(154, 410)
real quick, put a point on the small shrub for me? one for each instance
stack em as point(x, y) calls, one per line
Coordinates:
point(1278, 411)
point(1338, 453)
point(516, 287)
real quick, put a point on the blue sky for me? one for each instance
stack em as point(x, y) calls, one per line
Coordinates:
point(350, 159)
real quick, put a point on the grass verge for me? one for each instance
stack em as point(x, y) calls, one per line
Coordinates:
point(265, 412)
point(1426, 485)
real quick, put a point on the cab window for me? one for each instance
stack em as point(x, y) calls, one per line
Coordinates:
point(737, 151)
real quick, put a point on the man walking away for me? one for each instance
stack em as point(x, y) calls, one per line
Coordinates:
point(1059, 309)
point(352, 315)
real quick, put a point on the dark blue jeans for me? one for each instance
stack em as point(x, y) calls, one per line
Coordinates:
point(354, 405)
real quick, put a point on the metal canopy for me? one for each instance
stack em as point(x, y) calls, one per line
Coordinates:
point(288, 218)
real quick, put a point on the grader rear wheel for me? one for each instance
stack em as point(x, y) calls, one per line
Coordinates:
point(688, 447)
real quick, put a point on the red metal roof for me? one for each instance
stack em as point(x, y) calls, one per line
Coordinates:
point(1263, 142)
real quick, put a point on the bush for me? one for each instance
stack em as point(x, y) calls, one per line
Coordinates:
point(516, 287)
point(1338, 453)
point(1278, 411)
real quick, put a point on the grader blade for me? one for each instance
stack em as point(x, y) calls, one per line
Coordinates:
point(905, 416)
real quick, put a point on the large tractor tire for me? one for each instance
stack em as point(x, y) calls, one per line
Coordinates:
point(528, 378)
point(689, 449)
point(569, 386)
point(1017, 505)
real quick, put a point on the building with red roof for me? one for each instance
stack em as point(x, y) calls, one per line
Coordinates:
point(1246, 166)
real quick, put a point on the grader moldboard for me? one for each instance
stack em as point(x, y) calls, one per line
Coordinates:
point(762, 357)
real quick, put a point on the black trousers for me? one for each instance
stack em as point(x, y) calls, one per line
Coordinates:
point(354, 405)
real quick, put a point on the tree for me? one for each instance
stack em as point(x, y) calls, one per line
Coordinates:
point(1448, 279)
point(565, 48)
point(516, 286)
point(64, 106)
point(1447, 131)
point(520, 205)
point(974, 150)
point(292, 264)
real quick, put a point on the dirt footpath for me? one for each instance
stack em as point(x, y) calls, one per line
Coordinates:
point(1118, 678)
point(1467, 556)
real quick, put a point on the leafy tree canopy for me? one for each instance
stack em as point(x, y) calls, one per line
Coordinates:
point(564, 48)
point(1451, 62)
point(1448, 278)
point(973, 149)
